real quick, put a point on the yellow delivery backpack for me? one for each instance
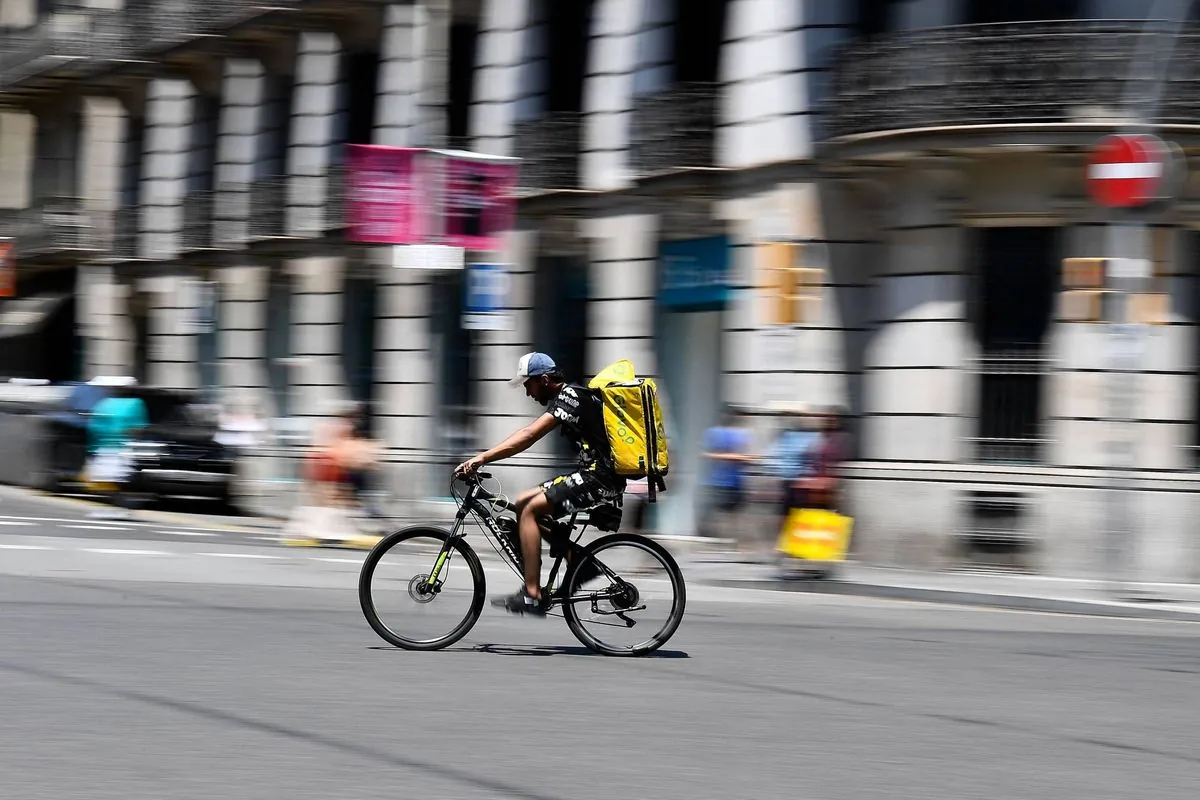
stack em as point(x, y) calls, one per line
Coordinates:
point(634, 424)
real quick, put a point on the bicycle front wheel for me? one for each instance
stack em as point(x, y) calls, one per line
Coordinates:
point(421, 590)
point(625, 596)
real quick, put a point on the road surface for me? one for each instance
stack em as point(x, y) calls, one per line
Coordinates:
point(137, 662)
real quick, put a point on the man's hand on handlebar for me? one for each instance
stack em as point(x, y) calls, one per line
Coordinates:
point(469, 467)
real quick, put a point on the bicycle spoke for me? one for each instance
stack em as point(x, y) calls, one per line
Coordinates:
point(647, 610)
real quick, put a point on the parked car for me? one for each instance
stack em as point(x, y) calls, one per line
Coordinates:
point(179, 457)
point(175, 456)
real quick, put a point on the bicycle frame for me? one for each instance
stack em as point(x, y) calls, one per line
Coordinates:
point(481, 504)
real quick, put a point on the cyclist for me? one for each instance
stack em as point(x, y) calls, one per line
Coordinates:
point(578, 413)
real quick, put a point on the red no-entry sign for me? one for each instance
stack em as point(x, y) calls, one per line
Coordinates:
point(1127, 170)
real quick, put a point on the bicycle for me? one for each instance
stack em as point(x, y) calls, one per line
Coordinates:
point(425, 572)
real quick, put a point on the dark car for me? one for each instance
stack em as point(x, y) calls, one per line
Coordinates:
point(175, 456)
point(180, 458)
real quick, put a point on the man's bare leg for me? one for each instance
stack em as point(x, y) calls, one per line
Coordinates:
point(531, 506)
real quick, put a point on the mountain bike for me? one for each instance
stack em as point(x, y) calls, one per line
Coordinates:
point(414, 580)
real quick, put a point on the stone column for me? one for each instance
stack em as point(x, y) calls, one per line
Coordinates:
point(763, 109)
point(168, 115)
point(237, 139)
point(498, 75)
point(318, 382)
point(172, 357)
point(242, 337)
point(108, 340)
point(318, 102)
point(608, 93)
point(414, 79)
point(916, 385)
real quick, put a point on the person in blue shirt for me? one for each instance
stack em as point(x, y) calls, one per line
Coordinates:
point(792, 458)
point(728, 458)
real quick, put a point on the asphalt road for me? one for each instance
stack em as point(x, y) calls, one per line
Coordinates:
point(193, 667)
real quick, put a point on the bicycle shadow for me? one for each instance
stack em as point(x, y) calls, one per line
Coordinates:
point(534, 650)
point(557, 650)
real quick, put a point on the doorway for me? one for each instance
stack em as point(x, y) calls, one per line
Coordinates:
point(693, 278)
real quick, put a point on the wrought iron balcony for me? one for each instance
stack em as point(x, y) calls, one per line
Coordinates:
point(197, 222)
point(1036, 72)
point(674, 129)
point(268, 208)
point(231, 215)
point(335, 199)
point(66, 45)
point(318, 203)
point(56, 226)
point(549, 151)
point(126, 241)
point(159, 25)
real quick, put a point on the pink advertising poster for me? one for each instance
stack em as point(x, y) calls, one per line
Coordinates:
point(477, 200)
point(385, 194)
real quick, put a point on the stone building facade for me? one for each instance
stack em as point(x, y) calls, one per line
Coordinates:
point(933, 150)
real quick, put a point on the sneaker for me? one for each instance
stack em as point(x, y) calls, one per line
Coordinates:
point(520, 602)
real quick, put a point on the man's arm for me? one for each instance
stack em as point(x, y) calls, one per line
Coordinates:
point(519, 442)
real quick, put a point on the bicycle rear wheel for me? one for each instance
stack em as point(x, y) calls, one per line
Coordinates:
point(599, 610)
point(404, 606)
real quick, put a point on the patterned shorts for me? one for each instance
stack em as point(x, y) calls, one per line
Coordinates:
point(581, 490)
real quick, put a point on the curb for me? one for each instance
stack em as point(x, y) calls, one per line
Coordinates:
point(1092, 608)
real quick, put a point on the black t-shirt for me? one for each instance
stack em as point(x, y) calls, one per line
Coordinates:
point(581, 417)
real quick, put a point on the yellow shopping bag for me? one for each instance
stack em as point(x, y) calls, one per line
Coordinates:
point(815, 535)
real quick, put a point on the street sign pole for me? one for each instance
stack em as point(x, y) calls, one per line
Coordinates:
point(1127, 238)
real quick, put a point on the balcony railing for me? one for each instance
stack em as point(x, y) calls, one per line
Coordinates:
point(317, 203)
point(55, 226)
point(674, 129)
point(268, 208)
point(335, 199)
point(1036, 72)
point(197, 221)
point(126, 243)
point(68, 43)
point(231, 215)
point(549, 151)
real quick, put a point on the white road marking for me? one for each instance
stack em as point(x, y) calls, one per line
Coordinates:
point(239, 555)
point(186, 533)
point(338, 560)
point(121, 552)
point(141, 523)
point(15, 523)
point(99, 527)
point(25, 547)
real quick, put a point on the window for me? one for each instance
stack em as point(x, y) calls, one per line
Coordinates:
point(464, 37)
point(1017, 279)
point(275, 127)
point(987, 11)
point(202, 152)
point(361, 71)
point(699, 34)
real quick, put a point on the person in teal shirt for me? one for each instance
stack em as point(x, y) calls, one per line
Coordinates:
point(113, 420)
point(110, 428)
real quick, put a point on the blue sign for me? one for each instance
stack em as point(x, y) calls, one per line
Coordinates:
point(486, 304)
point(695, 273)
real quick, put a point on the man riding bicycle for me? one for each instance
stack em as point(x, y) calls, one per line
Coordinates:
point(578, 412)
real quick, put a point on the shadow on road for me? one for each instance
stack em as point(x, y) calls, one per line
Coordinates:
point(535, 650)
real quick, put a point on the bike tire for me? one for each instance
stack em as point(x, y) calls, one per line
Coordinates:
point(367, 602)
point(674, 573)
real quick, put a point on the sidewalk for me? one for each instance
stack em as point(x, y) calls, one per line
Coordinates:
point(1180, 602)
